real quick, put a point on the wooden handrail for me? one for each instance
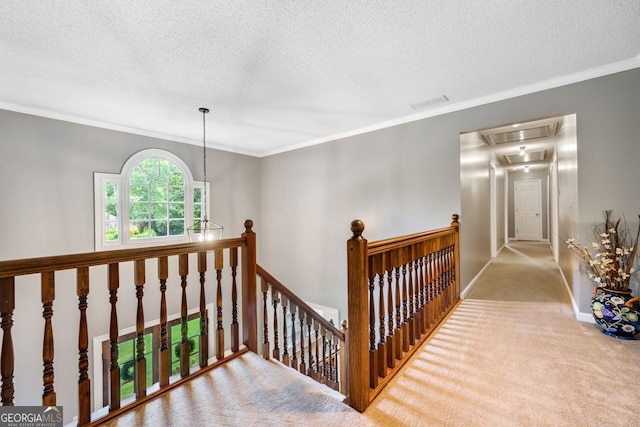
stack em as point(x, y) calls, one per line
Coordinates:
point(381, 246)
point(23, 267)
point(299, 337)
point(298, 301)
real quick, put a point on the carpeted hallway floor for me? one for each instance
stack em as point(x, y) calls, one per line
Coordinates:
point(511, 354)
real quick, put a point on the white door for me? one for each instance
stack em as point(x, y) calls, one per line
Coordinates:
point(528, 210)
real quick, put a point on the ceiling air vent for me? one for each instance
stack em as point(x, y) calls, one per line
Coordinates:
point(430, 103)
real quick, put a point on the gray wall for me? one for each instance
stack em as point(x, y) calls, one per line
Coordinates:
point(396, 180)
point(409, 178)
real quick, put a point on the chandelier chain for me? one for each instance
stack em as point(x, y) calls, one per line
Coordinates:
point(204, 157)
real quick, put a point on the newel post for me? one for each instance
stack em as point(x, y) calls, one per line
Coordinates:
point(456, 253)
point(249, 292)
point(358, 315)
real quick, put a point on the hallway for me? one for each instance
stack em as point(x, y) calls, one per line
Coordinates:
point(511, 354)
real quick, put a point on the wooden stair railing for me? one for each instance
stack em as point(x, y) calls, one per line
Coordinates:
point(236, 252)
point(399, 290)
point(300, 338)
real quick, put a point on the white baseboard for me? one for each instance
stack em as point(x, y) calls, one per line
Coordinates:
point(580, 316)
point(472, 283)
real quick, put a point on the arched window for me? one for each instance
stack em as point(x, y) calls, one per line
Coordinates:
point(152, 201)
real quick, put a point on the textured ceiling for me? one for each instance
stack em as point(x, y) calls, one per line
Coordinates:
point(284, 74)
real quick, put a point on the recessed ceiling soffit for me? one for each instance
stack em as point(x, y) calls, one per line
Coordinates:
point(497, 137)
point(531, 156)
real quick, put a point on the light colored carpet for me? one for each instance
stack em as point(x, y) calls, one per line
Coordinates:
point(511, 354)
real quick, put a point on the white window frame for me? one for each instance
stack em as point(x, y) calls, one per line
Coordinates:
point(122, 179)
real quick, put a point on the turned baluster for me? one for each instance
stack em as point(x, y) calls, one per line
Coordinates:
point(336, 366)
point(294, 357)
point(445, 280)
point(48, 292)
point(84, 383)
point(265, 320)
point(405, 308)
point(309, 320)
point(451, 270)
point(397, 337)
point(285, 337)
point(165, 353)
point(440, 281)
point(316, 341)
point(141, 362)
point(323, 372)
point(342, 377)
point(7, 361)
point(425, 284)
point(416, 298)
point(114, 368)
point(379, 267)
point(185, 348)
point(235, 332)
point(412, 314)
point(419, 292)
point(330, 367)
point(204, 320)
point(428, 302)
point(391, 357)
point(373, 354)
point(301, 317)
point(219, 261)
point(275, 297)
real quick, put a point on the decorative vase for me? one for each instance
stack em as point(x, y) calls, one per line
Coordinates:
point(615, 314)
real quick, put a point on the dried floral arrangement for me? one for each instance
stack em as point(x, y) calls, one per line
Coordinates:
point(610, 260)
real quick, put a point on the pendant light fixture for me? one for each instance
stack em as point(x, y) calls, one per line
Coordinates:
point(203, 229)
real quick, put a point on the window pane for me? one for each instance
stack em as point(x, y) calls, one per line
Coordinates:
point(197, 214)
point(193, 336)
point(111, 222)
point(138, 176)
point(111, 231)
point(140, 230)
point(111, 211)
point(176, 210)
point(158, 228)
point(111, 190)
point(150, 167)
point(158, 194)
point(158, 181)
point(158, 211)
point(138, 193)
point(176, 227)
point(126, 361)
point(176, 194)
point(167, 168)
point(139, 211)
point(177, 179)
point(197, 195)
